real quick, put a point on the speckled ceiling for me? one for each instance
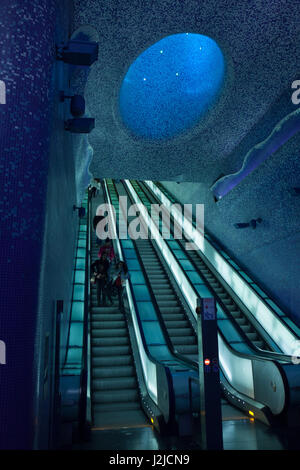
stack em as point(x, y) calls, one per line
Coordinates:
point(260, 40)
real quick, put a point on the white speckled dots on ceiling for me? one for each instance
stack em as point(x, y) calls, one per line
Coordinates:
point(258, 40)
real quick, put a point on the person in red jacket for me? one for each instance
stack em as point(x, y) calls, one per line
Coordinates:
point(108, 249)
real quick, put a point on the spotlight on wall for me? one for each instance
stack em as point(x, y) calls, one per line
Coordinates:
point(253, 224)
point(77, 107)
point(77, 52)
point(81, 211)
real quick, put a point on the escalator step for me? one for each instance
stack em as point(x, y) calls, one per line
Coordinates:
point(154, 271)
point(107, 333)
point(114, 341)
point(173, 316)
point(100, 408)
point(112, 371)
point(110, 351)
point(114, 383)
point(241, 320)
point(168, 303)
point(107, 317)
point(246, 328)
point(171, 309)
point(148, 254)
point(253, 336)
point(157, 277)
point(159, 281)
point(162, 290)
point(183, 340)
point(235, 313)
point(108, 324)
point(165, 297)
point(106, 310)
point(115, 396)
point(150, 259)
point(179, 331)
point(120, 418)
point(187, 349)
point(228, 303)
point(232, 308)
point(111, 361)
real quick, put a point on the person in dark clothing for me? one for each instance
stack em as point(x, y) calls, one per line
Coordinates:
point(118, 275)
point(94, 186)
point(93, 191)
point(100, 271)
point(96, 220)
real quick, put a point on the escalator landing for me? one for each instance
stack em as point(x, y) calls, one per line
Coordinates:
point(239, 433)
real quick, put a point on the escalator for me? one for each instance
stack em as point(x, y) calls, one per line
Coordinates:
point(237, 313)
point(171, 307)
point(142, 362)
point(255, 374)
point(174, 315)
point(182, 332)
point(115, 397)
point(135, 375)
point(228, 300)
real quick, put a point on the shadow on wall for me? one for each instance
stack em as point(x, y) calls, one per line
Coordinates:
point(83, 150)
point(282, 132)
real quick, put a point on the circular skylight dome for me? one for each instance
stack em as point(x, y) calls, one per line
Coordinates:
point(171, 86)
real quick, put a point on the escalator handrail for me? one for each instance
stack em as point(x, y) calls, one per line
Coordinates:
point(84, 367)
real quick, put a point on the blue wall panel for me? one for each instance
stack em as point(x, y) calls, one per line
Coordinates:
point(27, 57)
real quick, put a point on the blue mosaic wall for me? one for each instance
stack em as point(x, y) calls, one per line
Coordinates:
point(26, 60)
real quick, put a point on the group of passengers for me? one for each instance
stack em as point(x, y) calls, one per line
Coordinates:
point(109, 275)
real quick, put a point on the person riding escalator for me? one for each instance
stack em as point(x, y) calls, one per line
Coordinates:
point(100, 276)
point(118, 274)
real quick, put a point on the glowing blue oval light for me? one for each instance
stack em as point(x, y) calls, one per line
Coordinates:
point(171, 85)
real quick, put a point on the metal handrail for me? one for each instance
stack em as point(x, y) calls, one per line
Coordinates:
point(84, 364)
